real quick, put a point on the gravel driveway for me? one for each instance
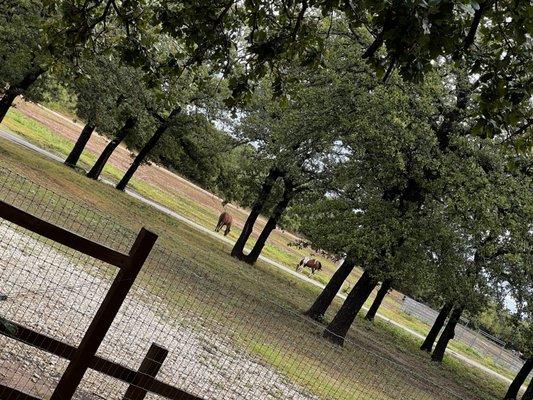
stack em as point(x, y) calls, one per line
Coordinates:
point(57, 291)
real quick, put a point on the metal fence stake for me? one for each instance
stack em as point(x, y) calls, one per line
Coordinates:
point(104, 317)
point(475, 338)
point(147, 372)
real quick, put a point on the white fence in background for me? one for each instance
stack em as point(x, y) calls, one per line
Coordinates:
point(479, 341)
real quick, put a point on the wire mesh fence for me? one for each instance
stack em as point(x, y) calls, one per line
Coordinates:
point(222, 342)
point(480, 342)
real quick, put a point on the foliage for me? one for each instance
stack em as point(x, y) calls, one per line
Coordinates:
point(248, 39)
point(54, 92)
point(24, 39)
point(238, 175)
point(196, 149)
point(374, 207)
point(431, 206)
point(109, 93)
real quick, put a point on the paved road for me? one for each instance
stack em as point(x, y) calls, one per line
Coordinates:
point(17, 139)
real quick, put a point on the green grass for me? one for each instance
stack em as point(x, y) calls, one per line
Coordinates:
point(43, 137)
point(455, 345)
point(450, 365)
point(35, 132)
point(212, 258)
point(308, 372)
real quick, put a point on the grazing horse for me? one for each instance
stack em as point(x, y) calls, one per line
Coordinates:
point(310, 263)
point(224, 220)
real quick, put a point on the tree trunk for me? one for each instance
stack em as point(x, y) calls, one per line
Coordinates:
point(436, 328)
point(266, 188)
point(528, 395)
point(338, 328)
point(11, 94)
point(80, 144)
point(324, 300)
point(6, 102)
point(99, 165)
point(288, 194)
point(148, 147)
point(382, 292)
point(447, 335)
point(518, 381)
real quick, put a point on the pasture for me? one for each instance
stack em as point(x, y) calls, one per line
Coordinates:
point(255, 311)
point(54, 132)
point(396, 135)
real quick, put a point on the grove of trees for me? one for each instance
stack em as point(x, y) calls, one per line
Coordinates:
point(394, 134)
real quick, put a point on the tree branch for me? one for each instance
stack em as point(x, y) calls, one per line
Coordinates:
point(389, 70)
point(471, 36)
point(299, 19)
point(376, 44)
point(223, 13)
point(520, 130)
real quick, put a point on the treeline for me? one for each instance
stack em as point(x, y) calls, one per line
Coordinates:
point(197, 149)
point(394, 134)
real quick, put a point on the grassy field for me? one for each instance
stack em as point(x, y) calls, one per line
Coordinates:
point(45, 134)
point(24, 122)
point(265, 289)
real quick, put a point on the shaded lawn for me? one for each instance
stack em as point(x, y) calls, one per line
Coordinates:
point(261, 285)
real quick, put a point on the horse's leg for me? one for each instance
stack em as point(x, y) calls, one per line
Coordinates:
point(228, 227)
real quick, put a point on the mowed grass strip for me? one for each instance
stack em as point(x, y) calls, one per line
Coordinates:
point(277, 247)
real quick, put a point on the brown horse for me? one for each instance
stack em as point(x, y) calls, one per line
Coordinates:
point(310, 263)
point(224, 220)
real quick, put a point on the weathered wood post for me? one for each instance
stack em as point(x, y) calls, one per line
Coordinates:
point(104, 317)
point(147, 372)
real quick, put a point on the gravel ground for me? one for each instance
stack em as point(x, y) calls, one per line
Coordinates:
point(56, 291)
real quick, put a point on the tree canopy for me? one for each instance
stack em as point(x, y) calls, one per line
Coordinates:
point(396, 133)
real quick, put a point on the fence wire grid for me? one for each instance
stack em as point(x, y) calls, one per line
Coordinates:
point(219, 346)
point(479, 341)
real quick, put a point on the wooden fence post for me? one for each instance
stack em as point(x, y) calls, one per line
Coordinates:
point(147, 372)
point(104, 317)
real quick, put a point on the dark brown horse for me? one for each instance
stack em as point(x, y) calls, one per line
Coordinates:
point(224, 220)
point(310, 263)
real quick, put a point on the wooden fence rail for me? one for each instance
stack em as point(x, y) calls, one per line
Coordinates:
point(104, 317)
point(99, 364)
point(84, 356)
point(147, 372)
point(7, 393)
point(62, 236)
